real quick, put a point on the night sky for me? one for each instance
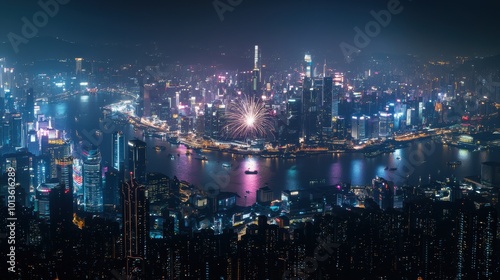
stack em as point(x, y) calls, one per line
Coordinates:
point(423, 27)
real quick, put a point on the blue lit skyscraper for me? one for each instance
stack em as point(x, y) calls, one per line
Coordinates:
point(30, 106)
point(118, 150)
point(92, 181)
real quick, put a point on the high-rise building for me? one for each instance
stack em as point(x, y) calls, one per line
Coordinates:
point(6, 132)
point(64, 168)
point(118, 150)
point(158, 186)
point(137, 159)
point(359, 127)
point(135, 226)
point(42, 200)
point(55, 149)
point(308, 60)
point(385, 124)
point(78, 177)
point(33, 143)
point(61, 224)
point(327, 103)
point(111, 193)
point(294, 119)
point(215, 119)
point(30, 106)
point(23, 162)
point(92, 180)
point(383, 193)
point(256, 73)
point(339, 127)
point(2, 90)
point(309, 109)
point(78, 65)
point(16, 123)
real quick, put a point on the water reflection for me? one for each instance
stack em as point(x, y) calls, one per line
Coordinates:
point(279, 173)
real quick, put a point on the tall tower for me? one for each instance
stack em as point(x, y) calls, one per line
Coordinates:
point(135, 225)
point(257, 75)
point(308, 60)
point(137, 159)
point(92, 181)
point(64, 168)
point(118, 150)
point(2, 90)
point(30, 106)
point(327, 102)
point(78, 64)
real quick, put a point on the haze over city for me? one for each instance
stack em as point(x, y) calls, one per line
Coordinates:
point(238, 139)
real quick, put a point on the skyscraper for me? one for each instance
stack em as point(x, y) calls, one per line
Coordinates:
point(42, 200)
point(137, 159)
point(61, 217)
point(359, 127)
point(23, 162)
point(111, 193)
point(308, 60)
point(78, 65)
point(64, 168)
point(309, 109)
point(256, 73)
point(135, 225)
point(294, 117)
point(92, 180)
point(16, 130)
point(30, 106)
point(118, 150)
point(385, 124)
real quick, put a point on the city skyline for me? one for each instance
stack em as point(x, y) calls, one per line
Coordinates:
point(250, 140)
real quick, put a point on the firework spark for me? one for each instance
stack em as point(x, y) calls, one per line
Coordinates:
point(248, 118)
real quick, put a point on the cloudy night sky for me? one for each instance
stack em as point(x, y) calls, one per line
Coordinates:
point(423, 27)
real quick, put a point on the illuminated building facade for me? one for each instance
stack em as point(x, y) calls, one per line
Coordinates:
point(135, 226)
point(92, 181)
point(118, 150)
point(137, 159)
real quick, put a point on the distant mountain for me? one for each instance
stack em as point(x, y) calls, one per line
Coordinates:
point(41, 48)
point(47, 48)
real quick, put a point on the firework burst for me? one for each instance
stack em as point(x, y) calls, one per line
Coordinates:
point(248, 118)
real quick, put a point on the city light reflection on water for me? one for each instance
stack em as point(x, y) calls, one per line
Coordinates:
point(278, 173)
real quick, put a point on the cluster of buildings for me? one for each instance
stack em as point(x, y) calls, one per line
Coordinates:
point(80, 214)
point(317, 105)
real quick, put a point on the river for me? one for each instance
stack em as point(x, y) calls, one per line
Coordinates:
point(415, 164)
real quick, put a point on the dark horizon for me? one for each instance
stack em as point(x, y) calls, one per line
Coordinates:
point(426, 28)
